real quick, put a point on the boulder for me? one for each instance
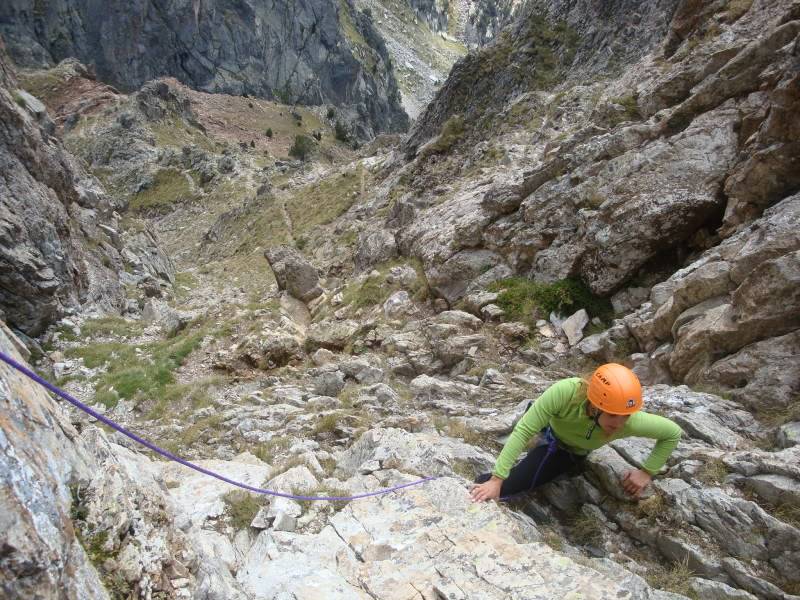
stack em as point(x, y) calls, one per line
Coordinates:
point(273, 348)
point(730, 317)
point(293, 272)
point(629, 299)
point(398, 305)
point(404, 275)
point(362, 371)
point(513, 330)
point(461, 319)
point(716, 590)
point(492, 312)
point(573, 326)
point(374, 248)
point(166, 317)
point(328, 382)
point(475, 301)
point(331, 334)
point(789, 435)
point(323, 357)
point(297, 480)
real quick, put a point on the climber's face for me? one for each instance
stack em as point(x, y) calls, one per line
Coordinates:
point(611, 424)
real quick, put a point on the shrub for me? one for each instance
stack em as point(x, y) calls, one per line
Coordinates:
point(242, 508)
point(452, 132)
point(737, 8)
point(712, 472)
point(340, 132)
point(370, 293)
point(520, 298)
point(269, 133)
point(142, 376)
point(272, 447)
point(19, 99)
point(167, 187)
point(302, 147)
point(676, 578)
point(327, 424)
point(331, 113)
point(586, 529)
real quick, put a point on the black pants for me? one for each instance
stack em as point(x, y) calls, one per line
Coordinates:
point(520, 479)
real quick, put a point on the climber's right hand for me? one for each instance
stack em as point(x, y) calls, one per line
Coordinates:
point(486, 491)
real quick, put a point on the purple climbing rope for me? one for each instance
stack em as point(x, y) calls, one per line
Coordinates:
point(166, 454)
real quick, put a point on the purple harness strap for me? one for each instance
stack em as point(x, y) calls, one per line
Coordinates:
point(166, 454)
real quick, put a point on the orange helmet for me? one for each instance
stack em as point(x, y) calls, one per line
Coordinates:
point(615, 389)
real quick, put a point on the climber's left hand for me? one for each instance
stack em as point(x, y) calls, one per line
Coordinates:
point(634, 482)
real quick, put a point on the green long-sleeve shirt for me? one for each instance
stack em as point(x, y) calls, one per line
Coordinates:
point(563, 406)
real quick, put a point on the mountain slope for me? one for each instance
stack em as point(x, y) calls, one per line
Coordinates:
point(308, 51)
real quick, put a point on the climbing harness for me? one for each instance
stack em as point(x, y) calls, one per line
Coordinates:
point(552, 446)
point(105, 420)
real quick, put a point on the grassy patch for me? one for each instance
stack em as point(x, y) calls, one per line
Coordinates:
point(271, 448)
point(452, 132)
point(111, 326)
point(675, 578)
point(464, 469)
point(178, 397)
point(175, 132)
point(586, 530)
point(712, 472)
point(458, 429)
point(169, 187)
point(43, 84)
point(330, 492)
point(264, 226)
point(189, 436)
point(327, 424)
point(629, 103)
point(19, 100)
point(657, 511)
point(369, 293)
point(137, 376)
point(737, 9)
point(366, 54)
point(553, 539)
point(525, 300)
point(242, 508)
point(780, 416)
point(788, 512)
point(183, 285)
point(374, 290)
point(322, 202)
point(302, 147)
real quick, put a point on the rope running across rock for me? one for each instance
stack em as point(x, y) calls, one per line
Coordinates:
point(169, 455)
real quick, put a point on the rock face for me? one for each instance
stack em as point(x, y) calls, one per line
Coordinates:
point(690, 133)
point(730, 319)
point(41, 553)
point(59, 239)
point(392, 546)
point(580, 38)
point(319, 52)
point(80, 515)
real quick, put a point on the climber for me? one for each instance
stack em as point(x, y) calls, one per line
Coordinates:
point(577, 416)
